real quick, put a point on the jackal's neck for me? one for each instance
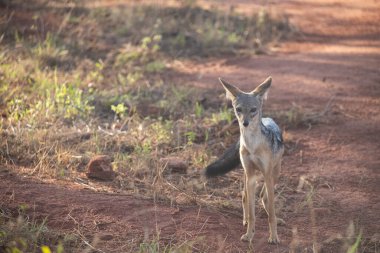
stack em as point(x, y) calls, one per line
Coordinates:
point(253, 129)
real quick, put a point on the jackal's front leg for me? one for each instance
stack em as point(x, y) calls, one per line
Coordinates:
point(244, 203)
point(249, 206)
point(269, 207)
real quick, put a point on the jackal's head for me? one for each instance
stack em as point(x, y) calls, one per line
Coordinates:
point(247, 105)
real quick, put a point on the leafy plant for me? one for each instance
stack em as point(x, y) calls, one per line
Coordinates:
point(69, 101)
point(96, 76)
point(119, 109)
point(190, 137)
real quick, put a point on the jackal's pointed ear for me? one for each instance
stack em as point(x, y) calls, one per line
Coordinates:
point(262, 89)
point(231, 91)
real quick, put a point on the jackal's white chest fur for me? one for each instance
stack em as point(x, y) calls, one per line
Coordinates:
point(257, 147)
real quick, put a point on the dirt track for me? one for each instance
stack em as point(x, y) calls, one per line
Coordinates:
point(336, 58)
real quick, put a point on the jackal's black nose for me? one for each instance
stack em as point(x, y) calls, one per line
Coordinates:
point(245, 123)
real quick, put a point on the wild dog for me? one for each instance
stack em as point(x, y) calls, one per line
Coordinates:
point(260, 148)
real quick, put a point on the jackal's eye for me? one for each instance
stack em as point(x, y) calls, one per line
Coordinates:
point(238, 109)
point(254, 109)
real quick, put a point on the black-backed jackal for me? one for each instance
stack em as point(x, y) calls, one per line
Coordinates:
point(260, 148)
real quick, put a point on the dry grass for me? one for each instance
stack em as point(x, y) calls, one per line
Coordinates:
point(67, 95)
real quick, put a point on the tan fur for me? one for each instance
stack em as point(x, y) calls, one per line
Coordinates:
point(256, 155)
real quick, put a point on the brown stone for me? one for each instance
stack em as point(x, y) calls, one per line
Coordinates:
point(100, 167)
point(175, 164)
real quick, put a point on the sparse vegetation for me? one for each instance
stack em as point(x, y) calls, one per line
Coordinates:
point(25, 234)
point(63, 100)
point(80, 81)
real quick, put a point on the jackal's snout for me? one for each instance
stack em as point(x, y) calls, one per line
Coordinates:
point(245, 123)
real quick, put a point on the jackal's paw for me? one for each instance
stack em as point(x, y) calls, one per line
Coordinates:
point(246, 237)
point(280, 222)
point(245, 222)
point(273, 240)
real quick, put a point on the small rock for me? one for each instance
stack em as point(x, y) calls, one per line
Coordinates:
point(175, 164)
point(100, 168)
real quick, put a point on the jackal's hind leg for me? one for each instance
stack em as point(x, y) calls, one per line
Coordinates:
point(276, 176)
point(276, 172)
point(264, 198)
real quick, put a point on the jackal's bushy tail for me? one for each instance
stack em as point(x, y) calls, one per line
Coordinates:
point(227, 162)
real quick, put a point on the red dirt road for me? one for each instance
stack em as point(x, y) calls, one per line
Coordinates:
point(335, 58)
